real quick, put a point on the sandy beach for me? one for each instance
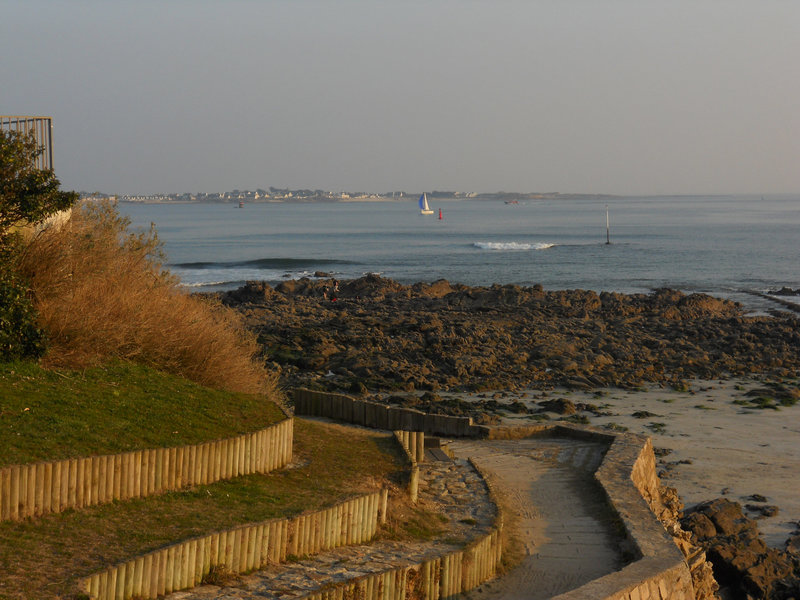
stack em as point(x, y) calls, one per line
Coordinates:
point(710, 445)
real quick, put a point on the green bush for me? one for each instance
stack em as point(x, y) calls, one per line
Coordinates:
point(20, 337)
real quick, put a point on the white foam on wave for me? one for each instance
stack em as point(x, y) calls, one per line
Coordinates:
point(233, 277)
point(203, 283)
point(512, 246)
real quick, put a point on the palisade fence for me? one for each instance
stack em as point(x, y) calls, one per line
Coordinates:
point(439, 578)
point(240, 550)
point(413, 445)
point(380, 416)
point(35, 489)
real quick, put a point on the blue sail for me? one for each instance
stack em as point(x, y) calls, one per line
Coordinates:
point(422, 201)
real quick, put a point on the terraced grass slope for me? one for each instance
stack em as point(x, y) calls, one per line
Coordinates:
point(46, 415)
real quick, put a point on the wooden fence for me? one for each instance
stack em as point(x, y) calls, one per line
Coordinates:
point(413, 445)
point(380, 416)
point(49, 487)
point(240, 550)
point(440, 578)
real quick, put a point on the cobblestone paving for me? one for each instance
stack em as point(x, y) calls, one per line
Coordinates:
point(454, 488)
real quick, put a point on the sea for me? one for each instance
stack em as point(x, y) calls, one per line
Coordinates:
point(733, 247)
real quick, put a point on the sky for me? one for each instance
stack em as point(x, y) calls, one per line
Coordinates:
point(627, 97)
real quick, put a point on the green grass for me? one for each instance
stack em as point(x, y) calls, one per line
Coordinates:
point(45, 557)
point(57, 414)
point(48, 415)
point(615, 427)
point(577, 419)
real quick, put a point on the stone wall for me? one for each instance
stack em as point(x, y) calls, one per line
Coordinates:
point(666, 565)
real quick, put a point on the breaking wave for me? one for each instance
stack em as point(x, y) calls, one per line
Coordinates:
point(512, 246)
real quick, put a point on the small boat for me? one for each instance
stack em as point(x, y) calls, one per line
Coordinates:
point(424, 209)
point(241, 204)
point(512, 201)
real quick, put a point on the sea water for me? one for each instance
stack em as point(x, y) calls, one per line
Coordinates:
point(724, 246)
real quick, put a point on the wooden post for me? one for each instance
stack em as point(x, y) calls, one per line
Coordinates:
point(217, 473)
point(272, 444)
point(127, 477)
point(135, 478)
point(127, 588)
point(5, 493)
point(201, 560)
point(147, 483)
point(160, 573)
point(148, 577)
point(37, 487)
point(171, 468)
point(13, 493)
point(93, 474)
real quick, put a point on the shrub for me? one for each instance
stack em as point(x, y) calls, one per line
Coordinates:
point(27, 196)
point(20, 337)
point(101, 292)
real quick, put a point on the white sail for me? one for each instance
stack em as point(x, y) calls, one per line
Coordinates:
point(424, 209)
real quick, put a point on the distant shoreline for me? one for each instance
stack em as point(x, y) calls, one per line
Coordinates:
point(499, 197)
point(509, 197)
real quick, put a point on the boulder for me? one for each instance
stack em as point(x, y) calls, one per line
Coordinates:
point(743, 564)
point(561, 406)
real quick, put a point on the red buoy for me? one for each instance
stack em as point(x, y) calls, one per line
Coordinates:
point(440, 214)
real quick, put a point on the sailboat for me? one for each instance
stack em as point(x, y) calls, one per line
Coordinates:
point(424, 209)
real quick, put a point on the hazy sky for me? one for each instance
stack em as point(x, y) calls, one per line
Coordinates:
point(608, 96)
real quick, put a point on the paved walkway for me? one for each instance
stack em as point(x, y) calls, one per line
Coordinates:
point(559, 517)
point(558, 514)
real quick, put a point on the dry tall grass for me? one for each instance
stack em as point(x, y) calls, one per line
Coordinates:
point(101, 293)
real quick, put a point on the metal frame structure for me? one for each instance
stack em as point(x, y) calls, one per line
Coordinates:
point(42, 130)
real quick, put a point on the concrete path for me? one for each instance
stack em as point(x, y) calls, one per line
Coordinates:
point(558, 514)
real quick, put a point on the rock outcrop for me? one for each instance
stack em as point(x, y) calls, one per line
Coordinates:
point(743, 564)
point(447, 336)
point(667, 507)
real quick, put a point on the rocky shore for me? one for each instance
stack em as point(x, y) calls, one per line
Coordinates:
point(381, 335)
point(744, 566)
point(440, 346)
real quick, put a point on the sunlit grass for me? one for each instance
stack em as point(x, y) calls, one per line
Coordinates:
point(56, 414)
point(46, 557)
